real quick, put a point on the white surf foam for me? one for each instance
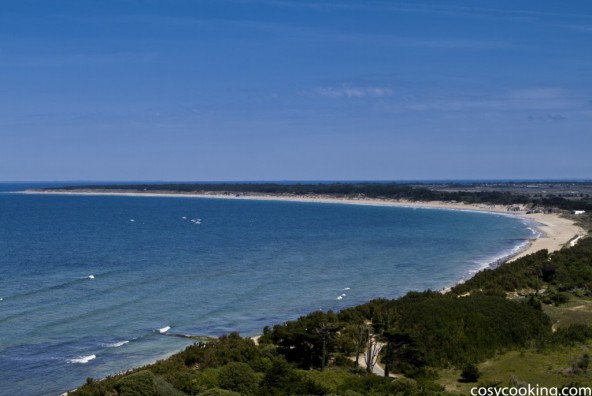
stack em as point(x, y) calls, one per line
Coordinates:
point(495, 261)
point(347, 288)
point(117, 344)
point(164, 329)
point(82, 359)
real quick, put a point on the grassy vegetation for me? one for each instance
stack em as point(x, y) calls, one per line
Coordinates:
point(551, 367)
point(578, 310)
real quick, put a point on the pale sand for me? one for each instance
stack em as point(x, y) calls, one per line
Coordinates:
point(556, 231)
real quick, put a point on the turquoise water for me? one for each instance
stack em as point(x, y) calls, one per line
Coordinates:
point(85, 289)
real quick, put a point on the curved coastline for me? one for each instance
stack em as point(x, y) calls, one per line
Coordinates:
point(552, 231)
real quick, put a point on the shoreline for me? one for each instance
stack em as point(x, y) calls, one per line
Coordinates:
point(554, 231)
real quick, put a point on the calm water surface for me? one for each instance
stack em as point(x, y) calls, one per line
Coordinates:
point(86, 282)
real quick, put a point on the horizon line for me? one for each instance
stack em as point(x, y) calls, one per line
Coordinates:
point(254, 181)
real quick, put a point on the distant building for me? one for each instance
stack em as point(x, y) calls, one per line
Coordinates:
point(578, 212)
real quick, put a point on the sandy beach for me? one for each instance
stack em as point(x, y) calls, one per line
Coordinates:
point(556, 231)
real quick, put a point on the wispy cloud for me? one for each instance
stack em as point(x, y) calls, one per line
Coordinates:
point(433, 8)
point(475, 11)
point(540, 103)
point(451, 43)
point(537, 93)
point(577, 27)
point(352, 92)
point(184, 29)
point(319, 5)
point(548, 117)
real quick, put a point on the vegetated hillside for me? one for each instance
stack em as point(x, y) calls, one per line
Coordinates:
point(564, 270)
point(417, 335)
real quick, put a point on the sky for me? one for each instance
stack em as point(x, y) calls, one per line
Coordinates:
point(233, 90)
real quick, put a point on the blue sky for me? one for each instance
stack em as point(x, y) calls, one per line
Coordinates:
point(295, 90)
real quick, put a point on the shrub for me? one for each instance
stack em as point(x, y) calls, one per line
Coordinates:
point(560, 298)
point(238, 377)
point(282, 379)
point(368, 384)
point(343, 361)
point(470, 373)
point(141, 383)
point(218, 392)
point(206, 379)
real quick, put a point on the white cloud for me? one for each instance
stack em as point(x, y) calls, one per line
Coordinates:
point(353, 92)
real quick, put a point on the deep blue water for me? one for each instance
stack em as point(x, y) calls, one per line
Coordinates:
point(247, 265)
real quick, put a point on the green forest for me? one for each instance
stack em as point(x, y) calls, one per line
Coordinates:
point(486, 332)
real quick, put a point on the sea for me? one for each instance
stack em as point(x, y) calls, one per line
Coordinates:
point(95, 285)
